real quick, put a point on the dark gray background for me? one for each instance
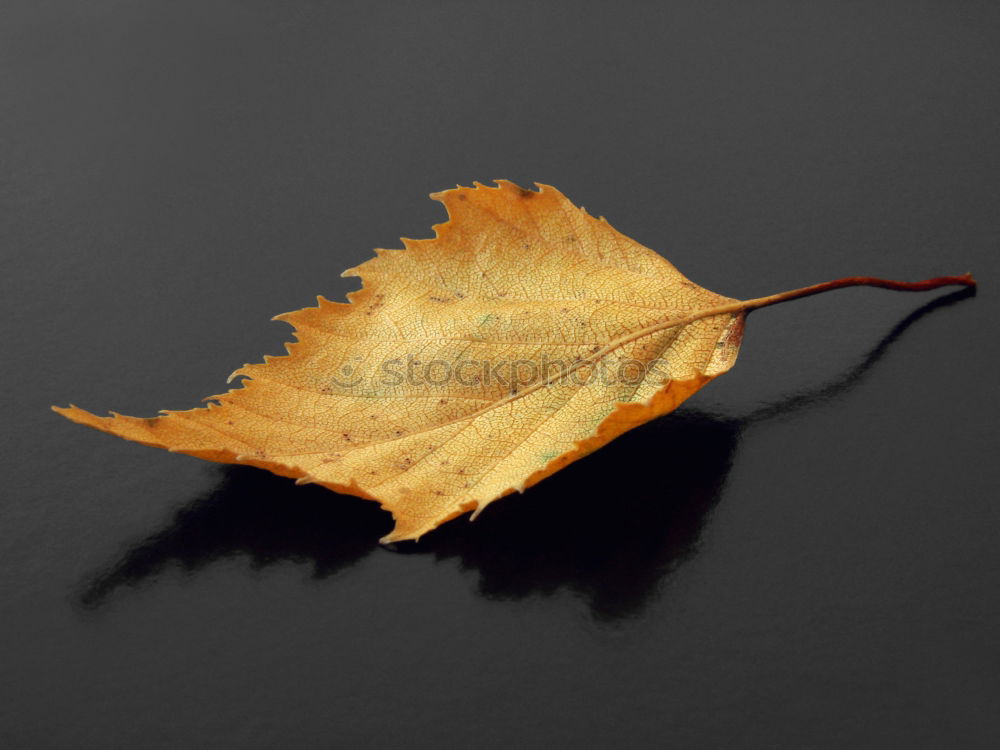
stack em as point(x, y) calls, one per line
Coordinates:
point(805, 557)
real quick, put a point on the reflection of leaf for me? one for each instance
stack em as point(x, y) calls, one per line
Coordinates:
point(525, 335)
point(613, 564)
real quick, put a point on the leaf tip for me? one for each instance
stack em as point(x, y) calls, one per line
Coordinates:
point(72, 412)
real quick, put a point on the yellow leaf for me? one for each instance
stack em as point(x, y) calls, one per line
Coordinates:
point(523, 336)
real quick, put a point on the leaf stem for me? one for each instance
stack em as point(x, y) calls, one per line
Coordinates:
point(899, 286)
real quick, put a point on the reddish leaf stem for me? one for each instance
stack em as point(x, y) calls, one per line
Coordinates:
point(899, 286)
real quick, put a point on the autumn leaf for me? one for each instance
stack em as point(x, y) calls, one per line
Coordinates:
point(523, 336)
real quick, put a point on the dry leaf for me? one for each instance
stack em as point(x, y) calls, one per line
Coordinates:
point(525, 335)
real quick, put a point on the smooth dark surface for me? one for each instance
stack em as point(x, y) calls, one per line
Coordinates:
point(806, 556)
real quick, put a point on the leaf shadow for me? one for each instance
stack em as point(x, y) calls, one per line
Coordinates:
point(558, 536)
